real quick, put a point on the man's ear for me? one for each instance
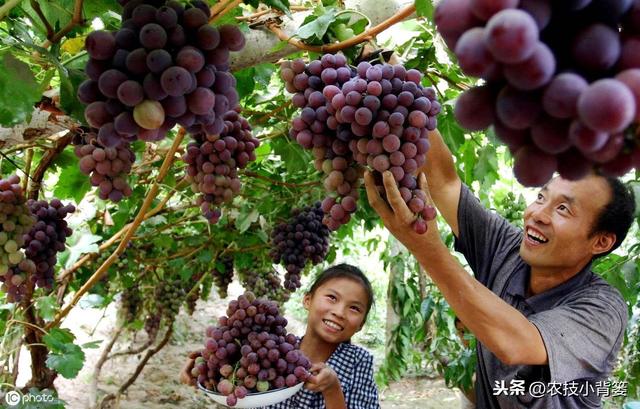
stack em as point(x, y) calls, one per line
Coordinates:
point(603, 242)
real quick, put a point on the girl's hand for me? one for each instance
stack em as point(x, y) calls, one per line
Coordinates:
point(324, 378)
point(185, 373)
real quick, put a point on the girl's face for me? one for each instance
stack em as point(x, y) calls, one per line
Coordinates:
point(336, 309)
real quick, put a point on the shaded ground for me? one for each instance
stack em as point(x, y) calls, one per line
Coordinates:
point(158, 387)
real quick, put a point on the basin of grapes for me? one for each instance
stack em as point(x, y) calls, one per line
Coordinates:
point(258, 399)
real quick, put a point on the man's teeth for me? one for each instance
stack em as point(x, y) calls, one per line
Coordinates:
point(333, 325)
point(537, 236)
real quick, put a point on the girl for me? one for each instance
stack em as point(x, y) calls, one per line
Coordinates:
point(338, 304)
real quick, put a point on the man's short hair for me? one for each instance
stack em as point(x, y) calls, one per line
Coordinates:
point(617, 215)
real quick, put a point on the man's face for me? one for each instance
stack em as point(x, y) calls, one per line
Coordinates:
point(557, 224)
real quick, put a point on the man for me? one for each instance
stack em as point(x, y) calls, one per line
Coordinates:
point(538, 312)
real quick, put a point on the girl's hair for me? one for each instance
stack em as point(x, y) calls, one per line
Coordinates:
point(345, 271)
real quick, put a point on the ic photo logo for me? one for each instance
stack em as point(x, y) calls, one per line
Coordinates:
point(12, 398)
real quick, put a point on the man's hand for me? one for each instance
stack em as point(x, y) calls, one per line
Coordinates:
point(397, 217)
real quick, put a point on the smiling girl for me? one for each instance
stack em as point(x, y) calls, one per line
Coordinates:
point(338, 303)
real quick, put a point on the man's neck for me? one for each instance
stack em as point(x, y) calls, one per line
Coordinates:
point(543, 279)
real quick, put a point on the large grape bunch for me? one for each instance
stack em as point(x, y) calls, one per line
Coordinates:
point(303, 238)
point(562, 81)
point(15, 220)
point(107, 167)
point(250, 351)
point(41, 244)
point(222, 274)
point(164, 66)
point(263, 283)
point(316, 129)
point(214, 159)
point(378, 117)
point(152, 325)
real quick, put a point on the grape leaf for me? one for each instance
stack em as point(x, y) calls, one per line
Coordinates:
point(72, 184)
point(245, 82)
point(46, 307)
point(424, 8)
point(318, 26)
point(19, 91)
point(282, 5)
point(70, 80)
point(65, 357)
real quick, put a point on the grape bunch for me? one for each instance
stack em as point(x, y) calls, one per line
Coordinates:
point(107, 167)
point(562, 81)
point(223, 274)
point(377, 116)
point(130, 303)
point(302, 238)
point(214, 159)
point(164, 66)
point(192, 297)
point(169, 295)
point(250, 351)
point(152, 325)
point(316, 129)
point(41, 244)
point(264, 283)
point(15, 220)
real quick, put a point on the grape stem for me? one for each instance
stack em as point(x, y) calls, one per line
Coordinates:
point(227, 8)
point(277, 182)
point(36, 7)
point(97, 276)
point(364, 36)
point(27, 168)
point(272, 113)
point(7, 7)
point(259, 14)
point(75, 20)
point(139, 368)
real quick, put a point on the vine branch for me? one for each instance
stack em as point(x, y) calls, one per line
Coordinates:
point(364, 36)
point(277, 182)
point(139, 368)
point(36, 7)
point(76, 19)
point(227, 9)
point(127, 236)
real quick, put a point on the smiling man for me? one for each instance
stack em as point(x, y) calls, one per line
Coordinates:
point(549, 328)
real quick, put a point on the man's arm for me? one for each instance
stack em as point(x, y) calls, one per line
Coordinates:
point(501, 328)
point(444, 183)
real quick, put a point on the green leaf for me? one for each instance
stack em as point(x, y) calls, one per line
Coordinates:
point(244, 220)
point(282, 5)
point(70, 80)
point(92, 345)
point(72, 184)
point(91, 301)
point(245, 80)
point(46, 307)
point(281, 45)
point(318, 27)
point(86, 244)
point(67, 362)
point(19, 91)
point(424, 8)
